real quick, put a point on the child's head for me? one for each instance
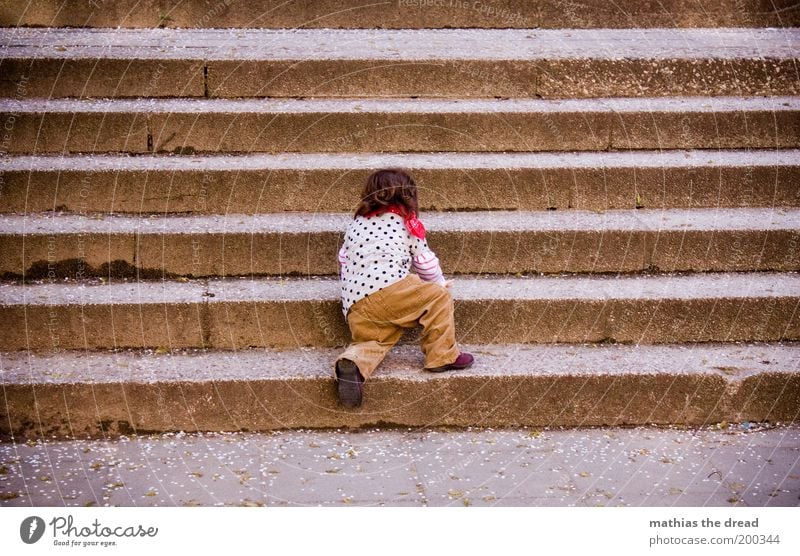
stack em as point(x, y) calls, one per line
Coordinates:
point(390, 186)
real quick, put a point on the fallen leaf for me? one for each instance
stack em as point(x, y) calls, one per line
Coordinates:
point(250, 504)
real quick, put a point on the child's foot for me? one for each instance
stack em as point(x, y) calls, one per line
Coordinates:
point(463, 361)
point(349, 383)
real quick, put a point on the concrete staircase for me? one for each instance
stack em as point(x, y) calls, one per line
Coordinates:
point(615, 188)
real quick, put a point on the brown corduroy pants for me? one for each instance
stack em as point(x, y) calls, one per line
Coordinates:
point(377, 322)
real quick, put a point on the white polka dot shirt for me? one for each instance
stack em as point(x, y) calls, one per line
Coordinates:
point(377, 252)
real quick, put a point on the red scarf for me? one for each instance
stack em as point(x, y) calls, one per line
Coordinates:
point(413, 225)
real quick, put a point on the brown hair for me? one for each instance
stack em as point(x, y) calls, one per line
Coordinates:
point(390, 186)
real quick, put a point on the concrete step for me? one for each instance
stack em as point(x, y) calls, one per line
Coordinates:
point(369, 125)
point(449, 63)
point(496, 242)
point(404, 14)
point(291, 313)
point(80, 394)
point(259, 183)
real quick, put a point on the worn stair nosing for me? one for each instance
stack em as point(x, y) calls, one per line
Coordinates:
point(211, 45)
point(718, 285)
point(356, 106)
point(241, 163)
point(651, 220)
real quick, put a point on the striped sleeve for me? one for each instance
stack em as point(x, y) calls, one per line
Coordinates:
point(426, 264)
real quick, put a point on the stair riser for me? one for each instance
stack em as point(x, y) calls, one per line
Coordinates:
point(100, 78)
point(479, 79)
point(54, 78)
point(262, 191)
point(410, 132)
point(480, 252)
point(405, 14)
point(291, 324)
point(91, 410)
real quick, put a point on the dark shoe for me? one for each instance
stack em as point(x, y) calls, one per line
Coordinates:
point(349, 383)
point(464, 361)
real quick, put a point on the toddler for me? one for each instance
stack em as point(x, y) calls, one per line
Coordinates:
point(380, 297)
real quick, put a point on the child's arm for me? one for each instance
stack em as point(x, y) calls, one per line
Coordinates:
point(426, 263)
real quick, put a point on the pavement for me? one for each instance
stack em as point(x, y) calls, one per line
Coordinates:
point(725, 465)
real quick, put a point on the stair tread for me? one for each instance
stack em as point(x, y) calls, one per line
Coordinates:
point(242, 162)
point(597, 288)
point(388, 105)
point(401, 44)
point(699, 219)
point(734, 361)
